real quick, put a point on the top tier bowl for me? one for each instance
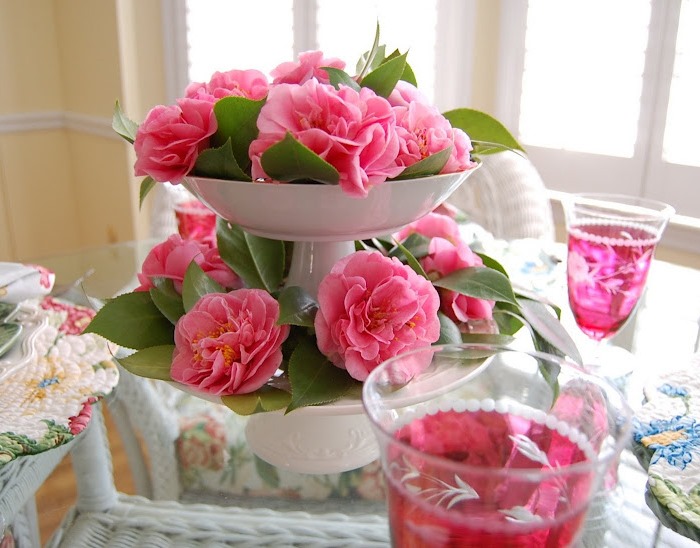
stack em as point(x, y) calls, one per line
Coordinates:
point(317, 212)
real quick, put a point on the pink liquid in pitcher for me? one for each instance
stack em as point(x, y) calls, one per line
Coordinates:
point(607, 268)
point(433, 506)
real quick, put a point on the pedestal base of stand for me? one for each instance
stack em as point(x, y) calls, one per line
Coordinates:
point(310, 441)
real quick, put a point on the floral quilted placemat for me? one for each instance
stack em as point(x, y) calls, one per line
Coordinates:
point(50, 377)
point(667, 443)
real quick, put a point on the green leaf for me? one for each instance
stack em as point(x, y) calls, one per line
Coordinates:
point(297, 307)
point(490, 262)
point(289, 160)
point(197, 284)
point(449, 332)
point(132, 320)
point(314, 379)
point(417, 244)
point(146, 186)
point(153, 362)
point(262, 400)
point(258, 261)
point(374, 55)
point(480, 282)
point(237, 119)
point(482, 127)
point(220, 163)
point(507, 318)
point(337, 77)
point(125, 127)
point(267, 472)
point(487, 338)
point(542, 321)
point(383, 79)
point(411, 261)
point(168, 301)
point(430, 165)
point(409, 76)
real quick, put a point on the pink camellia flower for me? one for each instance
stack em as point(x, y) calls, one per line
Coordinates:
point(170, 259)
point(432, 225)
point(170, 139)
point(423, 131)
point(309, 66)
point(371, 308)
point(443, 258)
point(229, 343)
point(405, 94)
point(251, 84)
point(353, 131)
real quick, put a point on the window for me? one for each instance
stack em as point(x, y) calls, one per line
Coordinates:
point(606, 95)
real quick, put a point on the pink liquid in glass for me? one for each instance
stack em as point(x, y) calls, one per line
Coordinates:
point(607, 268)
point(432, 505)
point(195, 221)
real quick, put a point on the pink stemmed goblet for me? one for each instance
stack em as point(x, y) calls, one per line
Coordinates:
point(611, 243)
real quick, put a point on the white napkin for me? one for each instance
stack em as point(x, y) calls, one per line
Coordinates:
point(19, 282)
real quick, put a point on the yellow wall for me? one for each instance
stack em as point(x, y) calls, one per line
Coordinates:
point(70, 185)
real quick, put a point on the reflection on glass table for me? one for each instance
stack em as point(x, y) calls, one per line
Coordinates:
point(197, 449)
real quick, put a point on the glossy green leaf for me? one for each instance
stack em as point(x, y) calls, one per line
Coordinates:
point(267, 472)
point(431, 165)
point(337, 77)
point(121, 124)
point(258, 261)
point(237, 120)
point(382, 80)
point(546, 324)
point(289, 160)
point(507, 318)
point(482, 127)
point(168, 301)
point(490, 262)
point(262, 400)
point(314, 379)
point(220, 163)
point(411, 261)
point(197, 284)
point(153, 362)
point(132, 320)
point(409, 76)
point(372, 58)
point(417, 244)
point(146, 186)
point(297, 307)
point(487, 338)
point(449, 332)
point(480, 282)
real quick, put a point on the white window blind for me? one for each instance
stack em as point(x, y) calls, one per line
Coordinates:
point(582, 78)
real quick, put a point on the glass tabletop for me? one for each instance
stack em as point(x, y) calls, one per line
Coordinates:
point(661, 332)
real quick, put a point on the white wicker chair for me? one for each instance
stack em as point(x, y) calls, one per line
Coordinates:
point(507, 197)
point(104, 517)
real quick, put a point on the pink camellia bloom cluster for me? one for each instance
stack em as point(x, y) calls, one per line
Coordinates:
point(170, 139)
point(170, 259)
point(365, 137)
point(446, 254)
point(353, 131)
point(371, 308)
point(229, 343)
